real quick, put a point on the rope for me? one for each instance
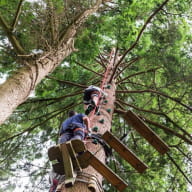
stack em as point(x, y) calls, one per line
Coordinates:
point(88, 176)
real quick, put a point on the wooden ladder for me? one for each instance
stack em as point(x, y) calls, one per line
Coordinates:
point(139, 125)
point(124, 152)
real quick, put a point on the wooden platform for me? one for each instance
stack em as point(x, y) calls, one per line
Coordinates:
point(65, 159)
point(139, 125)
point(124, 152)
point(72, 156)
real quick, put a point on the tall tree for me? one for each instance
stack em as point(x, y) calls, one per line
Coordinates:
point(150, 75)
point(56, 42)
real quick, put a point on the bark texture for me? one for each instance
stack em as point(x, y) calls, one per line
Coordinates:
point(18, 87)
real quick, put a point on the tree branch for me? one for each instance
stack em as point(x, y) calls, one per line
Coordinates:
point(126, 66)
point(140, 33)
point(101, 61)
point(29, 129)
point(72, 29)
point(15, 21)
point(180, 170)
point(67, 82)
point(53, 99)
point(166, 129)
point(115, 62)
point(121, 104)
point(158, 93)
point(139, 109)
point(15, 43)
point(101, 75)
point(139, 73)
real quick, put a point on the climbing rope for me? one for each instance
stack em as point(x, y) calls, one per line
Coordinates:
point(85, 178)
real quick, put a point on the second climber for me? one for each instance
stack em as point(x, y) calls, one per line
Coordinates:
point(91, 97)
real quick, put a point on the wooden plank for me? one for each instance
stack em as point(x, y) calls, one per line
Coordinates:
point(114, 179)
point(54, 152)
point(70, 175)
point(55, 155)
point(59, 168)
point(124, 152)
point(73, 156)
point(78, 145)
point(146, 132)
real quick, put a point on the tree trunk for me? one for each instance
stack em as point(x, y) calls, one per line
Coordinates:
point(19, 86)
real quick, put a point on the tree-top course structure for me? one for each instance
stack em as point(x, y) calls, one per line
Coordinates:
point(137, 52)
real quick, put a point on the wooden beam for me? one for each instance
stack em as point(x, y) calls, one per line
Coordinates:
point(139, 125)
point(88, 158)
point(73, 156)
point(124, 152)
point(78, 145)
point(54, 152)
point(55, 155)
point(70, 175)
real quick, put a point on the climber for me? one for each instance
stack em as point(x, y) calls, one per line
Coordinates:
point(91, 98)
point(75, 127)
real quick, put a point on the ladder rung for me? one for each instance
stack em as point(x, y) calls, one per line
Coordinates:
point(139, 125)
point(124, 152)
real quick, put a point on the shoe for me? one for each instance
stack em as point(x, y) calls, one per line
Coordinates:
point(54, 185)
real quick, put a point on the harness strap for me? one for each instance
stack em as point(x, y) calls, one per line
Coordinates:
point(79, 129)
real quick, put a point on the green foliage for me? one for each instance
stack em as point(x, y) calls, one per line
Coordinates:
point(161, 78)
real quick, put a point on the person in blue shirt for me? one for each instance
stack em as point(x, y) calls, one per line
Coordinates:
point(75, 127)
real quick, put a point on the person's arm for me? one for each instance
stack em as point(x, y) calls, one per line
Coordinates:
point(87, 123)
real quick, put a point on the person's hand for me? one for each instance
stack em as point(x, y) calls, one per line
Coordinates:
point(89, 131)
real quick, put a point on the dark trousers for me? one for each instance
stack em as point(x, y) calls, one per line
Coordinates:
point(71, 135)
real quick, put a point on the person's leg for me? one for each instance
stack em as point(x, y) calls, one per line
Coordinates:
point(65, 137)
point(78, 133)
point(95, 97)
point(94, 103)
point(53, 180)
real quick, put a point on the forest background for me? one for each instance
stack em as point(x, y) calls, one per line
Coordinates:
point(59, 49)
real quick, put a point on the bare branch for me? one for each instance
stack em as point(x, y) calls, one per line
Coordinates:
point(121, 104)
point(126, 66)
point(39, 124)
point(89, 69)
point(139, 109)
point(15, 43)
point(180, 170)
point(141, 32)
point(15, 21)
point(103, 60)
point(115, 62)
point(167, 130)
point(100, 61)
point(139, 73)
point(50, 99)
point(158, 93)
point(67, 82)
